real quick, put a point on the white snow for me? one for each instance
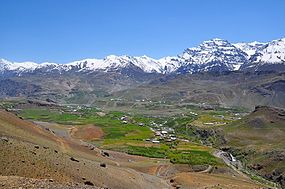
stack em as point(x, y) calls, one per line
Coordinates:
point(273, 52)
point(250, 48)
point(169, 64)
point(215, 50)
point(23, 65)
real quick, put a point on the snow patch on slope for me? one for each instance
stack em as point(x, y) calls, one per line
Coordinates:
point(273, 52)
point(250, 48)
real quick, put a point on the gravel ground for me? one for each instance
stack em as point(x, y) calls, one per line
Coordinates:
point(9, 182)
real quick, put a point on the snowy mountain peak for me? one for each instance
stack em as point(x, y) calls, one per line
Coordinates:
point(214, 54)
point(270, 53)
point(23, 66)
point(4, 61)
point(215, 42)
point(250, 48)
point(5, 64)
point(113, 57)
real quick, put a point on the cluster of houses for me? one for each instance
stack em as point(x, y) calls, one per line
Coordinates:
point(77, 108)
point(126, 120)
point(116, 99)
point(214, 123)
point(193, 113)
point(160, 133)
point(163, 134)
point(222, 117)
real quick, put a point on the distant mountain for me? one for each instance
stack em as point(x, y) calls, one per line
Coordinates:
point(216, 55)
point(213, 55)
point(272, 52)
point(270, 56)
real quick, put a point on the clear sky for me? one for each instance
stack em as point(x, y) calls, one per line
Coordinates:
point(65, 30)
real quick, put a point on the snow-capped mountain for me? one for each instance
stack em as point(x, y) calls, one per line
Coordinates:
point(272, 52)
point(250, 48)
point(212, 55)
point(112, 62)
point(109, 63)
point(6, 65)
point(270, 56)
point(169, 64)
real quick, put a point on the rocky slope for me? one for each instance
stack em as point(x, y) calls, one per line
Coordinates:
point(258, 140)
point(232, 89)
point(29, 151)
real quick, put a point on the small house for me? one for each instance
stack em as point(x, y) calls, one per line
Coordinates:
point(125, 122)
point(157, 133)
point(164, 132)
point(141, 124)
point(155, 141)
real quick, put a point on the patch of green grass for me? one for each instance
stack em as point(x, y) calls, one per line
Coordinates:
point(181, 125)
point(110, 123)
point(152, 152)
point(192, 157)
point(43, 114)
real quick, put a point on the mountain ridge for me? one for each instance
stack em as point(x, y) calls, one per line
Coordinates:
point(211, 55)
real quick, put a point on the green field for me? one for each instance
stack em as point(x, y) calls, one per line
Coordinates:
point(110, 123)
point(191, 157)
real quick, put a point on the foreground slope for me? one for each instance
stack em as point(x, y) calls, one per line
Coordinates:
point(28, 151)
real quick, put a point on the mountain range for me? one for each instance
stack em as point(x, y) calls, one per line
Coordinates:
point(215, 72)
point(216, 55)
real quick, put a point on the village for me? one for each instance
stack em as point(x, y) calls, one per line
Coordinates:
point(161, 133)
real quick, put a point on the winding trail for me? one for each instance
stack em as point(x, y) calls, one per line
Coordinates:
point(162, 170)
point(220, 154)
point(208, 170)
point(238, 169)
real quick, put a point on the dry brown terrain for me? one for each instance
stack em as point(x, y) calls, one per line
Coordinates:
point(199, 181)
point(87, 133)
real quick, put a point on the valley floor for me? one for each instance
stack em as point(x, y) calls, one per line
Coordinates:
point(41, 154)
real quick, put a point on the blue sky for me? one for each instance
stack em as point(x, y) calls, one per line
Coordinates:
point(66, 30)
